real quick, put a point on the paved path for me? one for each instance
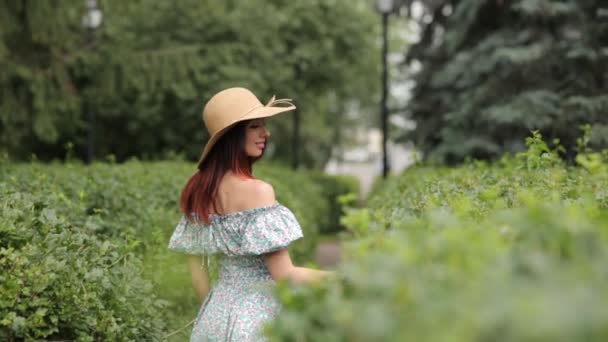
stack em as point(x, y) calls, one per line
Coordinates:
point(328, 254)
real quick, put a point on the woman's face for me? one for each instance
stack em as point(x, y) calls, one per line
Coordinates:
point(256, 134)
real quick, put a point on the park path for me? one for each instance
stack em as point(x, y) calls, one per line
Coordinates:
point(328, 253)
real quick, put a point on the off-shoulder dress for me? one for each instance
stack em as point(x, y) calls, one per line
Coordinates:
point(241, 301)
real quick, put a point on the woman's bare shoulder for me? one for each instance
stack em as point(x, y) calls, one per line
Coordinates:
point(255, 193)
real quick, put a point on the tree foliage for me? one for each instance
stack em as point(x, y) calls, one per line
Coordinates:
point(146, 72)
point(492, 71)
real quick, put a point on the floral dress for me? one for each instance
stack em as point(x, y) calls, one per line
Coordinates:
point(241, 301)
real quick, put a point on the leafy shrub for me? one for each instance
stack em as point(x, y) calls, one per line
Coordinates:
point(83, 249)
point(332, 188)
point(528, 274)
point(60, 281)
point(512, 251)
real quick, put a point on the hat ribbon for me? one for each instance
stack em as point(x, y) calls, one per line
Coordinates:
point(273, 102)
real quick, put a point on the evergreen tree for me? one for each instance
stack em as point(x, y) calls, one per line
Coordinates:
point(493, 70)
point(39, 101)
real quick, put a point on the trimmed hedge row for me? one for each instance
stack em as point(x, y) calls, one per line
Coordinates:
point(332, 188)
point(83, 249)
point(513, 251)
point(71, 268)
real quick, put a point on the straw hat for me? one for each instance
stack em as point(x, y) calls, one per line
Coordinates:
point(233, 105)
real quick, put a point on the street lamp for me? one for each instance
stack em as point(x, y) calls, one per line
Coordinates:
point(384, 7)
point(94, 16)
point(91, 21)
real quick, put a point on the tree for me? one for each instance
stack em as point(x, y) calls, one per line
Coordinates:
point(154, 64)
point(39, 102)
point(493, 70)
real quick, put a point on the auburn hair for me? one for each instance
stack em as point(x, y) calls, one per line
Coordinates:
point(228, 154)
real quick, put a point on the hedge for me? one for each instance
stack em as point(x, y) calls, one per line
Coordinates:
point(83, 248)
point(511, 251)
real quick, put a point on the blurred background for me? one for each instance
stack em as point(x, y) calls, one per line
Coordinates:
point(498, 233)
point(465, 78)
point(130, 79)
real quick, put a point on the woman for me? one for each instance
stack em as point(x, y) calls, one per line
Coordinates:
point(227, 211)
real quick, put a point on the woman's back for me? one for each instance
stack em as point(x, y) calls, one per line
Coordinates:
point(238, 194)
point(241, 301)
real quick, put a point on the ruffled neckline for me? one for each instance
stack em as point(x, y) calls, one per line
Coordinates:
point(242, 213)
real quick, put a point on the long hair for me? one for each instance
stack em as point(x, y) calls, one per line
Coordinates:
point(228, 154)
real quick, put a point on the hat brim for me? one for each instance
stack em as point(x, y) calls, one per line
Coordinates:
point(258, 113)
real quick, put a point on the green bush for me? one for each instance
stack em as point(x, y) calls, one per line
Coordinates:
point(512, 251)
point(529, 274)
point(60, 281)
point(83, 249)
point(333, 188)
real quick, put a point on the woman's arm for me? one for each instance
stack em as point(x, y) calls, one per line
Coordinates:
point(199, 275)
point(280, 267)
point(279, 263)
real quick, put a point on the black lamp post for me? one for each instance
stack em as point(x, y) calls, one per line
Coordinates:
point(91, 21)
point(384, 7)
